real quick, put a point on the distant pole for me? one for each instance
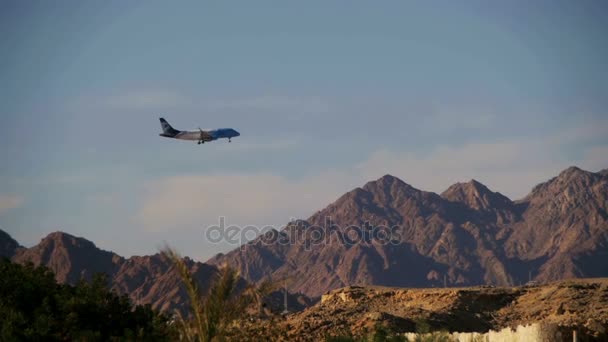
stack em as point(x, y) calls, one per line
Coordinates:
point(285, 311)
point(529, 275)
point(574, 336)
point(445, 280)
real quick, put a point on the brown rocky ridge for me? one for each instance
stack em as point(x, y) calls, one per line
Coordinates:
point(580, 304)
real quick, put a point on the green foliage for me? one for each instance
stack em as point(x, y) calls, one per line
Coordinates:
point(422, 326)
point(380, 334)
point(383, 335)
point(437, 336)
point(423, 329)
point(34, 307)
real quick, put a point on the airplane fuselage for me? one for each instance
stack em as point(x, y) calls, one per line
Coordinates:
point(200, 136)
point(204, 135)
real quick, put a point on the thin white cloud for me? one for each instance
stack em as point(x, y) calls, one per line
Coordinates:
point(189, 201)
point(9, 202)
point(511, 167)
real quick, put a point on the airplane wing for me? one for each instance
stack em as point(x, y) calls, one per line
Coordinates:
point(205, 135)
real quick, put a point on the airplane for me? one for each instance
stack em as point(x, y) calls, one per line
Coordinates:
point(200, 136)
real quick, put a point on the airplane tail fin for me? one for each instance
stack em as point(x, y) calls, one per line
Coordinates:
point(167, 129)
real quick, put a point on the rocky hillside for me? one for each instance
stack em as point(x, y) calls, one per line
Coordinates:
point(563, 232)
point(146, 280)
point(357, 311)
point(149, 279)
point(71, 258)
point(467, 235)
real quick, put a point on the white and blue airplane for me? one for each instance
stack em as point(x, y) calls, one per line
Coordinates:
point(201, 136)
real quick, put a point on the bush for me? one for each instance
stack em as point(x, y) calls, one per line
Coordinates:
point(33, 306)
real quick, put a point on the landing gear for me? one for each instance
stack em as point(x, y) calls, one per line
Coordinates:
point(229, 140)
point(200, 142)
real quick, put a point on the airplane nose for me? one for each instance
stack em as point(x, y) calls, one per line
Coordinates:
point(237, 133)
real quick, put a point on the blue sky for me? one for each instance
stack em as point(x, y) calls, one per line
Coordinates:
point(326, 94)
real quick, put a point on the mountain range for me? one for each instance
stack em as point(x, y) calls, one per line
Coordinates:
point(150, 279)
point(145, 279)
point(467, 235)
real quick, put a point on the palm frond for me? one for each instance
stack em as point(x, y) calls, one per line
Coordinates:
point(215, 311)
point(190, 284)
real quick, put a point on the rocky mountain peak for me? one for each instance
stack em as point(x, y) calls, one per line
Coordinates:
point(65, 240)
point(385, 201)
point(572, 170)
point(390, 191)
point(387, 179)
point(573, 173)
point(560, 215)
point(576, 176)
point(71, 258)
point(568, 183)
point(388, 184)
point(476, 195)
point(477, 185)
